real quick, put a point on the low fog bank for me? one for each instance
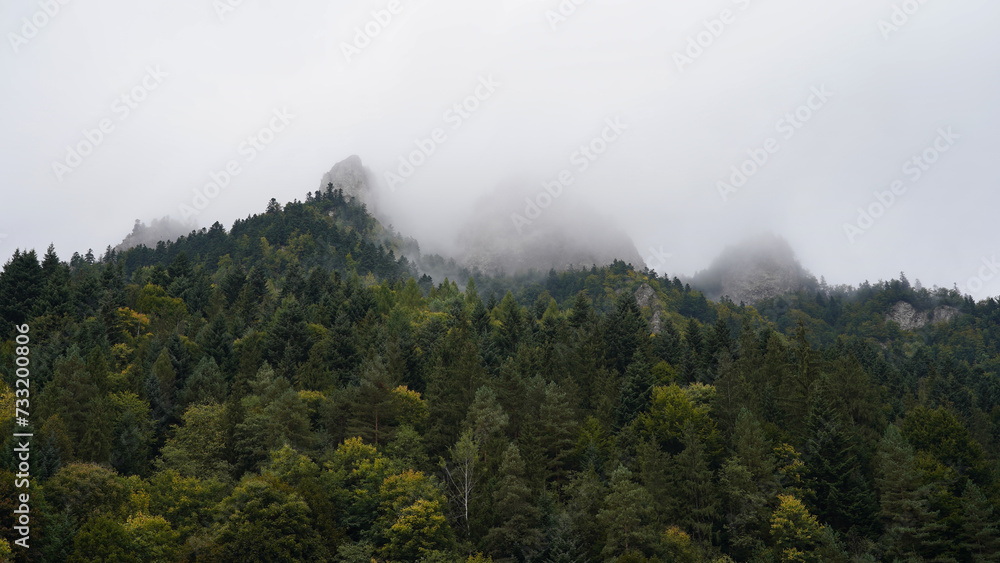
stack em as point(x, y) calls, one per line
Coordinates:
point(515, 228)
point(159, 230)
point(521, 226)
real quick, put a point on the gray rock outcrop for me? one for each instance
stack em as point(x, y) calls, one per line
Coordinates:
point(351, 176)
point(645, 297)
point(909, 317)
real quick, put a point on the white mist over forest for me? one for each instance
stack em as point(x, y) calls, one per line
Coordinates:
point(862, 134)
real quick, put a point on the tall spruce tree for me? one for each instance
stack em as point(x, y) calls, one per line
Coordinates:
point(627, 516)
point(517, 532)
point(980, 529)
point(835, 475)
point(909, 523)
point(698, 503)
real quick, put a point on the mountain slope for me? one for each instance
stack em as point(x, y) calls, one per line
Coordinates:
point(178, 405)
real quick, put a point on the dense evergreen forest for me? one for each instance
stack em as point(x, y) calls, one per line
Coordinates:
point(293, 389)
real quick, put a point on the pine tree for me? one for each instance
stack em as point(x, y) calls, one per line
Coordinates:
point(74, 394)
point(697, 501)
point(627, 516)
point(517, 532)
point(564, 546)
point(747, 481)
point(842, 498)
point(407, 446)
point(252, 295)
point(625, 332)
point(753, 448)
point(557, 427)
point(372, 405)
point(55, 298)
point(732, 392)
point(317, 373)
point(587, 496)
point(582, 313)
point(797, 388)
point(451, 386)
point(131, 432)
point(511, 319)
point(694, 358)
point(20, 286)
point(233, 283)
point(655, 473)
point(160, 386)
point(904, 504)
point(273, 414)
point(206, 385)
point(287, 344)
point(796, 533)
point(487, 420)
point(637, 388)
point(216, 341)
point(181, 360)
point(980, 535)
point(720, 342)
point(746, 510)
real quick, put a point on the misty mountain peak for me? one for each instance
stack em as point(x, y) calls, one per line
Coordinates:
point(569, 233)
point(164, 229)
point(758, 268)
point(351, 176)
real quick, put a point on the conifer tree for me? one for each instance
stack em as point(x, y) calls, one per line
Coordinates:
point(160, 386)
point(206, 385)
point(625, 332)
point(747, 481)
point(557, 431)
point(797, 534)
point(517, 532)
point(587, 494)
point(842, 498)
point(637, 388)
point(627, 516)
point(752, 448)
point(908, 521)
point(373, 409)
point(451, 386)
point(694, 358)
point(655, 473)
point(980, 535)
point(564, 546)
point(20, 285)
point(486, 418)
point(698, 504)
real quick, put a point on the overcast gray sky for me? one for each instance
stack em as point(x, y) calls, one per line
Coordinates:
point(839, 97)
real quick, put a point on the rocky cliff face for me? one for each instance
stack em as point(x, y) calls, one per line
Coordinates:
point(645, 297)
point(909, 317)
point(351, 176)
point(757, 269)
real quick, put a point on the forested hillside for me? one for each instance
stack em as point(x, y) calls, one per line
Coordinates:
point(293, 389)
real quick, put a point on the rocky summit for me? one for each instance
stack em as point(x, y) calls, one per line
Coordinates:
point(351, 176)
point(757, 269)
